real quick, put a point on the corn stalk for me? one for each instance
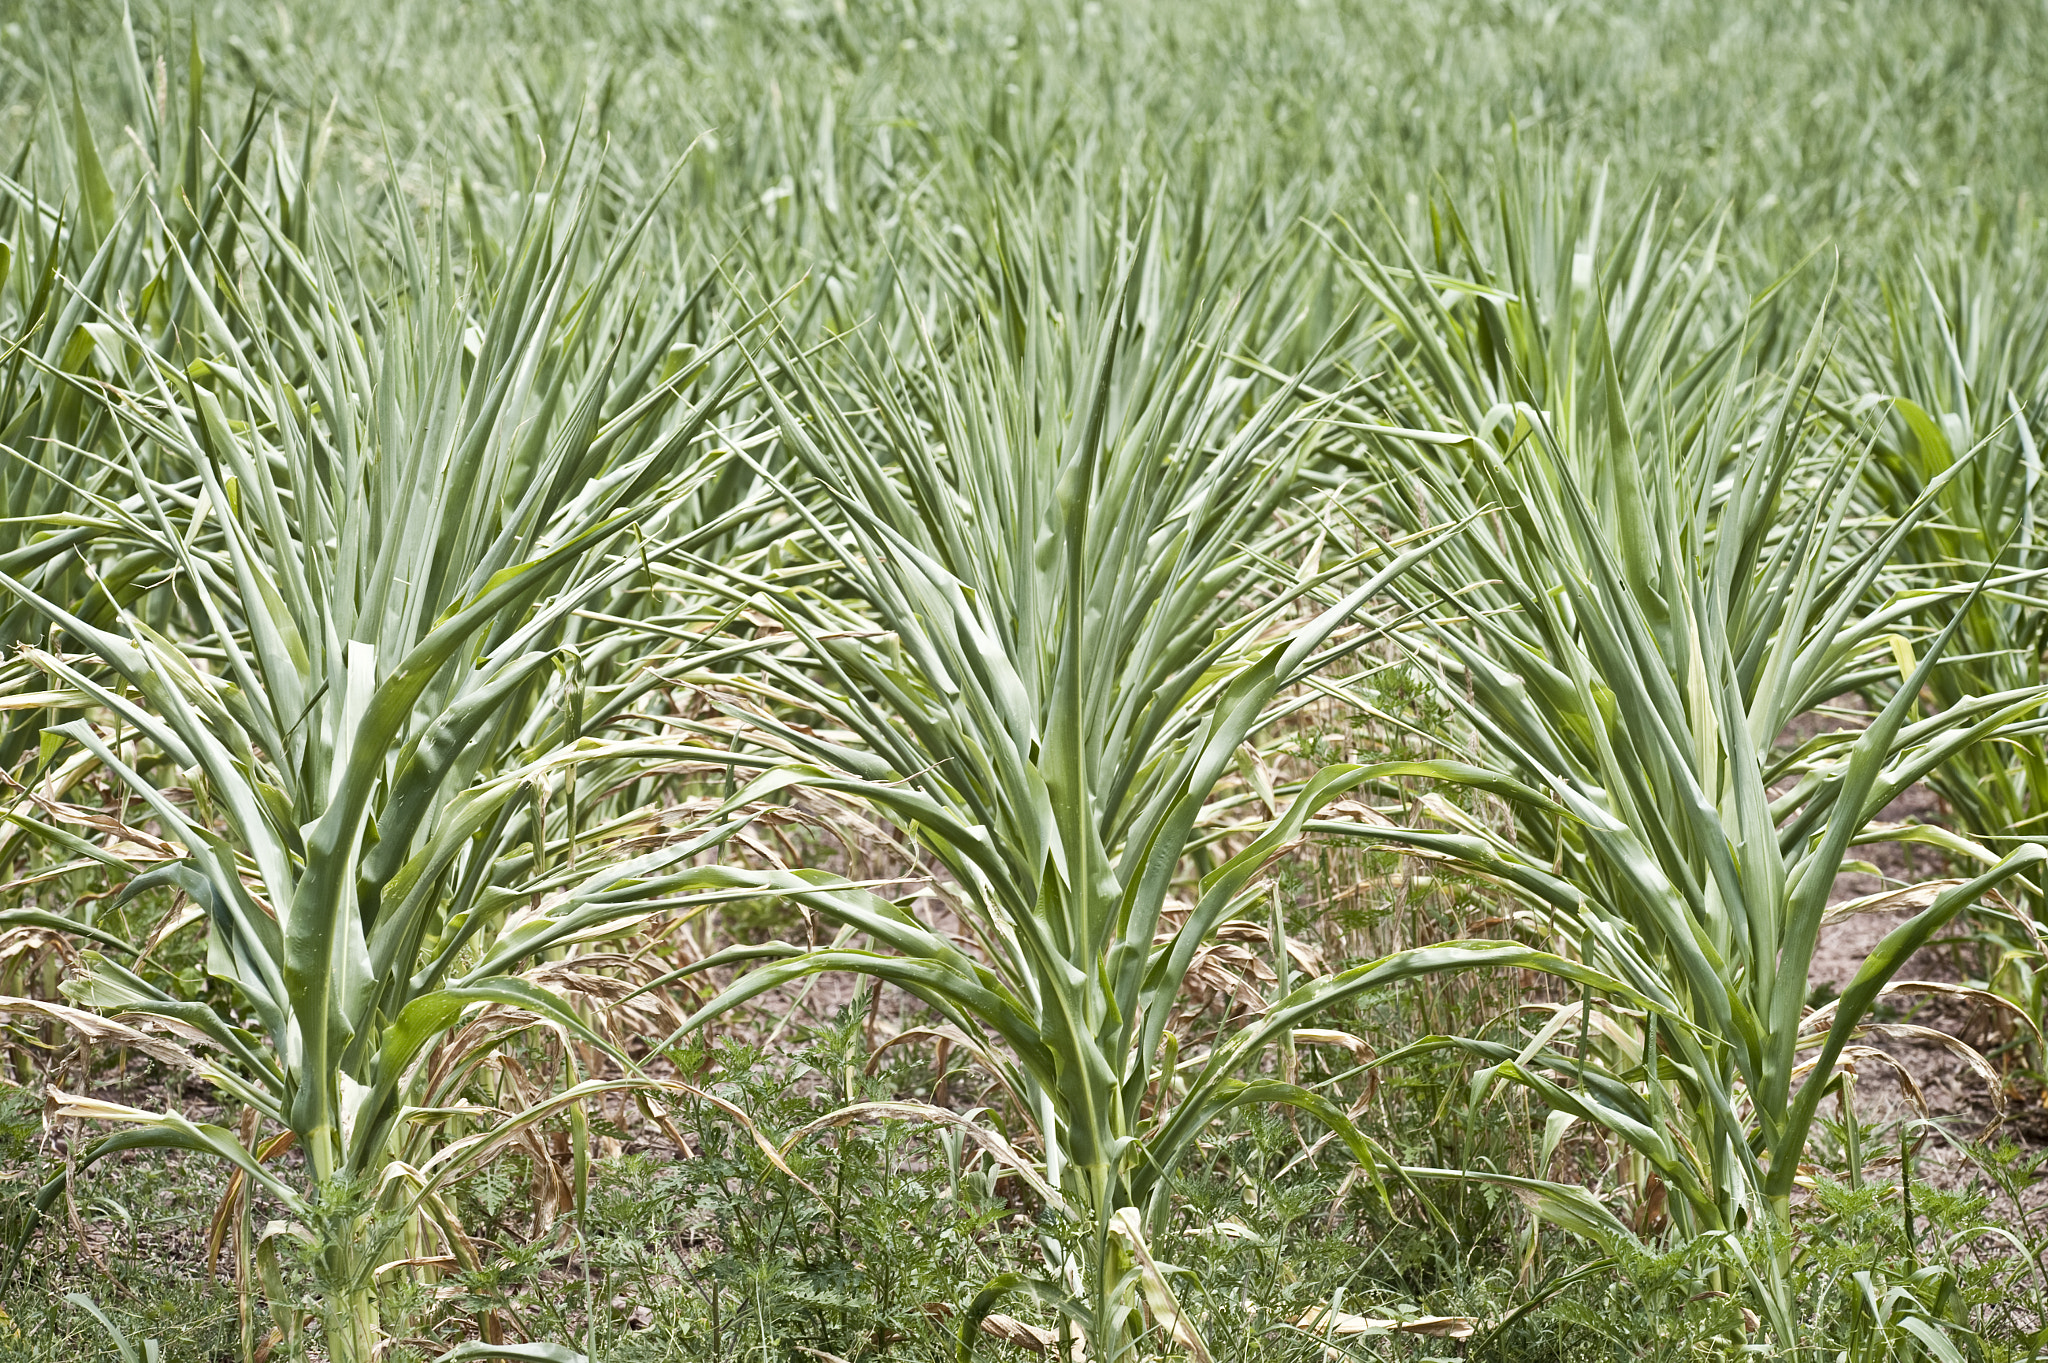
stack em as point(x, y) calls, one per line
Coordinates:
point(385, 528)
point(1037, 621)
point(1952, 372)
point(1659, 575)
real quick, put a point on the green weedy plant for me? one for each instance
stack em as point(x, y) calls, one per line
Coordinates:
point(376, 698)
point(1656, 579)
point(1038, 635)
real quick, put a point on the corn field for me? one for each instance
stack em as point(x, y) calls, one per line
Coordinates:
point(928, 679)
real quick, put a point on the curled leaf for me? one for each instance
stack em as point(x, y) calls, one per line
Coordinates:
point(1128, 1226)
point(1323, 1320)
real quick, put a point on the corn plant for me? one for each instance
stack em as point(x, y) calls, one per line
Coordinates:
point(361, 738)
point(1952, 373)
point(1657, 579)
point(1039, 628)
point(75, 526)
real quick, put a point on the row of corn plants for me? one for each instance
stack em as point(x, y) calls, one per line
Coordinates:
point(443, 602)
